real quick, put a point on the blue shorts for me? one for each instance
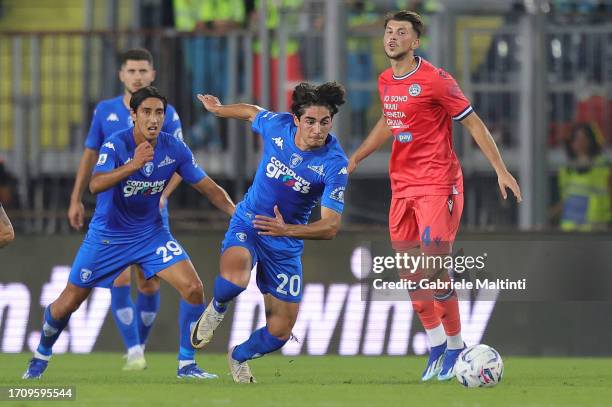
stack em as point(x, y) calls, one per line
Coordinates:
point(279, 269)
point(98, 263)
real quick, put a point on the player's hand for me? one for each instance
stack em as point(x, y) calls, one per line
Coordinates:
point(506, 180)
point(210, 102)
point(352, 164)
point(76, 214)
point(271, 226)
point(143, 154)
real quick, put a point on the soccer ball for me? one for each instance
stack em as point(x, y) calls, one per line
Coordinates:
point(479, 366)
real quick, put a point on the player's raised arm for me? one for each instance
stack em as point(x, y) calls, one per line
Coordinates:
point(103, 180)
point(242, 111)
point(483, 138)
point(7, 234)
point(216, 195)
point(377, 137)
point(325, 228)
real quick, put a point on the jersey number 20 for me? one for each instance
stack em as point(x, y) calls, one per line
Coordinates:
point(294, 284)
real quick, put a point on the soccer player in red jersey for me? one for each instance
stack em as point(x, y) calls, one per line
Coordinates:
point(419, 101)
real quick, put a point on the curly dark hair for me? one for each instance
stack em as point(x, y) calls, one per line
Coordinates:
point(330, 94)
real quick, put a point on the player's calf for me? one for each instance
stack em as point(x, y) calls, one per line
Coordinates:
point(204, 329)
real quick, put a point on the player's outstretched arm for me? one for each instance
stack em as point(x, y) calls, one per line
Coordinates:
point(216, 195)
point(323, 229)
point(242, 111)
point(377, 137)
point(483, 138)
point(102, 181)
point(76, 210)
point(7, 234)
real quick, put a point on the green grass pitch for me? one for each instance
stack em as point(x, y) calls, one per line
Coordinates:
point(314, 381)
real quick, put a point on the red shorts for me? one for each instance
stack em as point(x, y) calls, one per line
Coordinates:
point(430, 222)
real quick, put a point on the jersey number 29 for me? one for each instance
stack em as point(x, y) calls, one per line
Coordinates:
point(172, 247)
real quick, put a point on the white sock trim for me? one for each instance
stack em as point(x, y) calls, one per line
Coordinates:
point(135, 350)
point(183, 363)
point(436, 336)
point(38, 355)
point(455, 342)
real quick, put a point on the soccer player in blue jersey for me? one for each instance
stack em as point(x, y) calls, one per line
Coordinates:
point(134, 321)
point(302, 163)
point(133, 168)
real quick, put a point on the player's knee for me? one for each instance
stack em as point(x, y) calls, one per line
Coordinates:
point(193, 292)
point(148, 287)
point(123, 279)
point(281, 330)
point(239, 277)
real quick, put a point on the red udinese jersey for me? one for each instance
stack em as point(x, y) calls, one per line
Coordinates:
point(418, 108)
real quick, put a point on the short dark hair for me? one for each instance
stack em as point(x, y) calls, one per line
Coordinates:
point(147, 92)
point(329, 94)
point(136, 54)
point(410, 16)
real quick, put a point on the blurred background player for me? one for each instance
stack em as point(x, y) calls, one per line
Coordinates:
point(132, 170)
point(7, 234)
point(302, 163)
point(134, 321)
point(419, 101)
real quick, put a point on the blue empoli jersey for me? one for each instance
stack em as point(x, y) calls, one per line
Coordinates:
point(130, 209)
point(111, 116)
point(293, 179)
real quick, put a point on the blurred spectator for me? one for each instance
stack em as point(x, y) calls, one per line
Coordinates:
point(585, 183)
point(206, 54)
point(277, 9)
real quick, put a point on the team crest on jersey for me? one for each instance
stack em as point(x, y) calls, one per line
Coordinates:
point(102, 159)
point(241, 236)
point(296, 160)
point(414, 90)
point(85, 275)
point(148, 168)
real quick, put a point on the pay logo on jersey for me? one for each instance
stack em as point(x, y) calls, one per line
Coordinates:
point(133, 187)
point(278, 170)
point(405, 137)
